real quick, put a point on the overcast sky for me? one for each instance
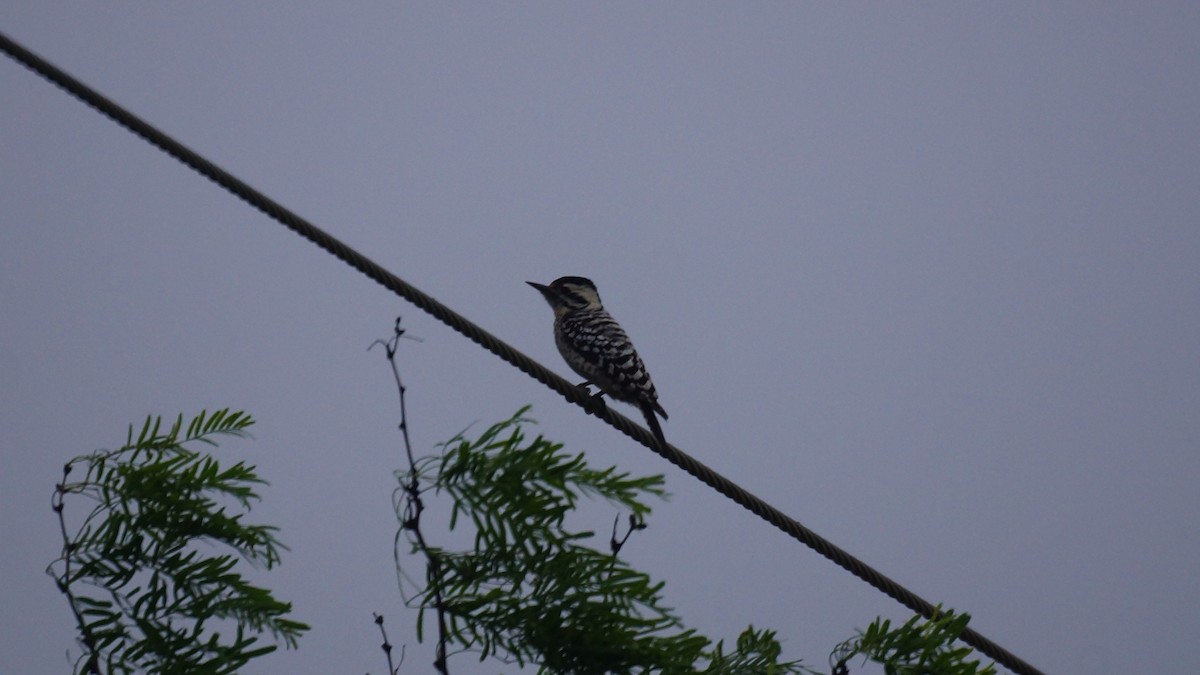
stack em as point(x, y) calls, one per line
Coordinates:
point(924, 276)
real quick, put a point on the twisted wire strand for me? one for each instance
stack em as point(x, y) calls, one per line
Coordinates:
point(461, 324)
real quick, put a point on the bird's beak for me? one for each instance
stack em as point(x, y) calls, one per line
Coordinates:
point(548, 294)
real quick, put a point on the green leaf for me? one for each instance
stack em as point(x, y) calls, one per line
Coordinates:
point(530, 589)
point(139, 551)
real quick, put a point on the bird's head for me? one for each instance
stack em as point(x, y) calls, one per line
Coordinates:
point(567, 294)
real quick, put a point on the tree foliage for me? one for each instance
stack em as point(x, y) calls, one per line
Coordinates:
point(530, 590)
point(145, 596)
point(919, 647)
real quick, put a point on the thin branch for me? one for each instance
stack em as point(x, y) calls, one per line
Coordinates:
point(387, 647)
point(414, 506)
point(64, 582)
point(636, 522)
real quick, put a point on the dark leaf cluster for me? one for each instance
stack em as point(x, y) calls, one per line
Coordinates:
point(151, 572)
point(531, 590)
point(919, 647)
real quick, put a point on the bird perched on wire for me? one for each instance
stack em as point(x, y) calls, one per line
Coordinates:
point(595, 346)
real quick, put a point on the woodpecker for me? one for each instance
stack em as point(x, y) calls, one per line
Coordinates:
point(595, 346)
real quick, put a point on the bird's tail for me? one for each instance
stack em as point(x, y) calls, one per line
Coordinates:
point(652, 422)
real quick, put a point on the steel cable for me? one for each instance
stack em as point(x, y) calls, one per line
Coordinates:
point(493, 344)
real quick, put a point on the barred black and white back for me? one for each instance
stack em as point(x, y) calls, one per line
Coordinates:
point(596, 347)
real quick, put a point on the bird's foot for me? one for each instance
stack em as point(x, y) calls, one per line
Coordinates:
point(595, 403)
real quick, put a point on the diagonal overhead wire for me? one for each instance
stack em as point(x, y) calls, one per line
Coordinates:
point(569, 391)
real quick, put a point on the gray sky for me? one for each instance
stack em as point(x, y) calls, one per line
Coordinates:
point(926, 277)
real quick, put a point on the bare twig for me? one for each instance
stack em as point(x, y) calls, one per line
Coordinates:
point(414, 506)
point(387, 647)
point(636, 522)
point(63, 582)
